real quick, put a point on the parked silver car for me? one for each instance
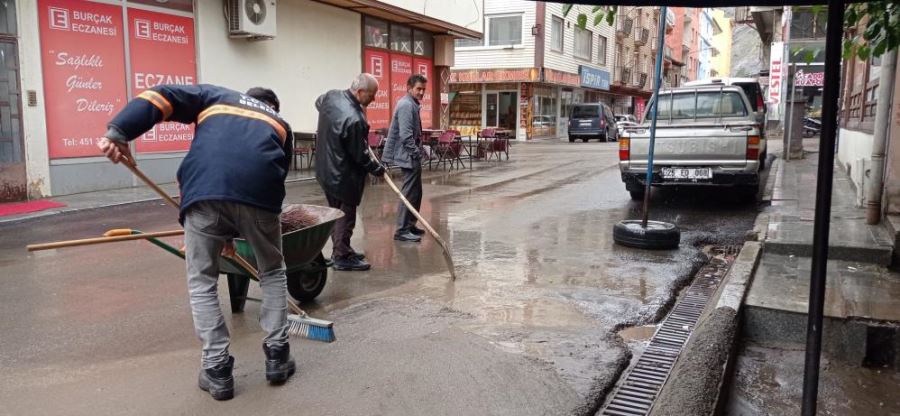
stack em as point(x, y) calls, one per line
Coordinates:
point(705, 136)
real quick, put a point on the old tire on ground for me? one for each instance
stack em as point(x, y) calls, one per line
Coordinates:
point(657, 236)
point(585, 139)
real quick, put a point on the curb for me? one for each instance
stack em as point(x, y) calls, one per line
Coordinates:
point(697, 382)
point(775, 172)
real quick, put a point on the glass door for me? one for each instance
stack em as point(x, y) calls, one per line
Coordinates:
point(12, 150)
point(500, 109)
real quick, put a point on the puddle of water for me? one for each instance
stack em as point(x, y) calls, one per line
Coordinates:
point(638, 333)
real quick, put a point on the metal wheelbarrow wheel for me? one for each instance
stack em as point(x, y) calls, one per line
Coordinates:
point(307, 283)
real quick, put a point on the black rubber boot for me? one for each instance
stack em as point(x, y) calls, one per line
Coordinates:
point(218, 380)
point(279, 363)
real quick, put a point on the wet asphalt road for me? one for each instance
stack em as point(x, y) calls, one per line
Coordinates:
point(529, 327)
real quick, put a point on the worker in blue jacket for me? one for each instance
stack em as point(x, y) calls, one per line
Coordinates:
point(232, 184)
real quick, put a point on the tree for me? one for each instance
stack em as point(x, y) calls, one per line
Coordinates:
point(882, 28)
point(600, 13)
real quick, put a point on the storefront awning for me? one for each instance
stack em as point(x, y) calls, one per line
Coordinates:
point(394, 13)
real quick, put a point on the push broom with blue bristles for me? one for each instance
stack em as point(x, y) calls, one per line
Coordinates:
point(301, 324)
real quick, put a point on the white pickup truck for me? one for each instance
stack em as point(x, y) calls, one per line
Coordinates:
point(705, 136)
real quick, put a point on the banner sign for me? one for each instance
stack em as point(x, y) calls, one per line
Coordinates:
point(162, 52)
point(559, 77)
point(83, 62)
point(809, 79)
point(494, 75)
point(401, 70)
point(776, 76)
point(423, 67)
point(378, 112)
point(594, 78)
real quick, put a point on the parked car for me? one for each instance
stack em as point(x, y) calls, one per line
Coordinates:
point(625, 117)
point(592, 121)
point(705, 136)
point(622, 125)
point(752, 89)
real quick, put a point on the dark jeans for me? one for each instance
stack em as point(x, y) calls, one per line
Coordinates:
point(343, 228)
point(412, 190)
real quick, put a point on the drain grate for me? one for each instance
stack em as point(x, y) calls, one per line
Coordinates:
point(642, 384)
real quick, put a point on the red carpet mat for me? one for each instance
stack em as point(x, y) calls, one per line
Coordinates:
point(15, 208)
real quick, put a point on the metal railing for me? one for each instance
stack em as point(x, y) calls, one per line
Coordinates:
point(641, 36)
point(625, 25)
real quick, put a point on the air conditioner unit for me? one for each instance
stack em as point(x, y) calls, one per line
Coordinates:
point(253, 19)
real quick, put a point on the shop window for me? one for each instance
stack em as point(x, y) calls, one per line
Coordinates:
point(376, 33)
point(423, 43)
point(505, 31)
point(556, 34)
point(8, 17)
point(401, 39)
point(602, 44)
point(583, 43)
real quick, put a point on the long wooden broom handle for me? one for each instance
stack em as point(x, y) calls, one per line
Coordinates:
point(101, 240)
point(132, 166)
point(415, 212)
point(245, 264)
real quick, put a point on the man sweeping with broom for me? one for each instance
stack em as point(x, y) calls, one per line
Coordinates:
point(232, 184)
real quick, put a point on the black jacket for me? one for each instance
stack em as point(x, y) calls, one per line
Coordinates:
point(342, 160)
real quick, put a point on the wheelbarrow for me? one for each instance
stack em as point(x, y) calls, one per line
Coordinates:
point(306, 267)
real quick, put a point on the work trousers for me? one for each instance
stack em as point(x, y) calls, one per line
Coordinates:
point(412, 190)
point(343, 227)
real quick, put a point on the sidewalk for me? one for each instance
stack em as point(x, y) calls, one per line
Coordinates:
point(861, 339)
point(860, 289)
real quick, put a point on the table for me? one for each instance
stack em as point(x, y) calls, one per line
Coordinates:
point(304, 146)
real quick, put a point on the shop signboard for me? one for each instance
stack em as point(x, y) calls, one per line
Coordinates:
point(379, 111)
point(423, 67)
point(401, 70)
point(162, 51)
point(594, 78)
point(639, 105)
point(559, 77)
point(809, 79)
point(494, 75)
point(83, 54)
point(776, 75)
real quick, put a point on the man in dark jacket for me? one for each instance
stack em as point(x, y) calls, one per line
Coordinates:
point(342, 161)
point(402, 149)
point(232, 184)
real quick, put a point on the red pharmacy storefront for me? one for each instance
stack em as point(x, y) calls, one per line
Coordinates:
point(95, 57)
point(393, 53)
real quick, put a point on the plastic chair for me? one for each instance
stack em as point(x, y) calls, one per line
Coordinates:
point(449, 149)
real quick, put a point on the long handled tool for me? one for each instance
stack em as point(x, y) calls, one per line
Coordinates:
point(109, 237)
point(301, 324)
point(446, 251)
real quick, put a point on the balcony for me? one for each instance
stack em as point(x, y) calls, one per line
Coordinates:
point(623, 75)
point(641, 80)
point(624, 26)
point(641, 36)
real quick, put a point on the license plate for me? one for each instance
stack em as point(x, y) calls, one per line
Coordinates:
point(686, 173)
point(584, 122)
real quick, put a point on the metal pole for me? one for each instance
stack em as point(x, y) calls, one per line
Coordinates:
point(817, 284)
point(657, 80)
point(790, 116)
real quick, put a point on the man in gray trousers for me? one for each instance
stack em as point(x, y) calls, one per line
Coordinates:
point(232, 184)
point(402, 150)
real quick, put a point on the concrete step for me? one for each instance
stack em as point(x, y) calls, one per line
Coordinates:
point(862, 307)
point(850, 239)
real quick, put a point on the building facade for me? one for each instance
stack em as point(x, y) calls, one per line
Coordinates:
point(77, 62)
point(721, 64)
point(532, 65)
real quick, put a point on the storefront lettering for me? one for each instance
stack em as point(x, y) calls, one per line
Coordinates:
point(78, 61)
point(144, 81)
point(77, 83)
point(809, 79)
point(509, 75)
point(83, 105)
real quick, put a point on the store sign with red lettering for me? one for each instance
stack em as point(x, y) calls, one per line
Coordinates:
point(776, 73)
point(423, 67)
point(401, 70)
point(809, 79)
point(83, 62)
point(162, 52)
point(378, 64)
